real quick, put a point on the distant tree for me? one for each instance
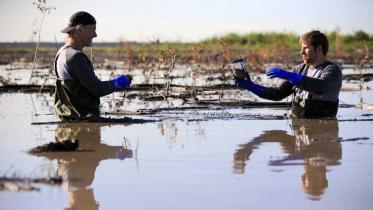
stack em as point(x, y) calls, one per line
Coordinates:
point(232, 38)
point(361, 36)
point(348, 38)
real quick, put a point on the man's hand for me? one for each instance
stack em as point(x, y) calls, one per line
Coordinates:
point(122, 82)
point(249, 85)
point(243, 83)
point(293, 78)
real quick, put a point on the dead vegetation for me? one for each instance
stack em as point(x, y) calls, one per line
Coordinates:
point(194, 75)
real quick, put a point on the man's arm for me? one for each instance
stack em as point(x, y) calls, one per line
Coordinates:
point(270, 93)
point(81, 69)
point(330, 79)
point(278, 93)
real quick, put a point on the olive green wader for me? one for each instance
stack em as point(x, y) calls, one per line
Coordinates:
point(309, 108)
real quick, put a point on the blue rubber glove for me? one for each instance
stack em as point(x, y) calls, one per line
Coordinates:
point(292, 77)
point(121, 82)
point(249, 85)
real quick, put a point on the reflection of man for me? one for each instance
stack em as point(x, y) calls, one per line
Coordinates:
point(314, 141)
point(78, 168)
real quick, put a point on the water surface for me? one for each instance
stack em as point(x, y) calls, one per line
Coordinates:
point(240, 163)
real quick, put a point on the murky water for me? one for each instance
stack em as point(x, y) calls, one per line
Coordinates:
point(240, 163)
point(217, 157)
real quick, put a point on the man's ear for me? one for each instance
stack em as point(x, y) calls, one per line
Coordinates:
point(319, 49)
point(78, 28)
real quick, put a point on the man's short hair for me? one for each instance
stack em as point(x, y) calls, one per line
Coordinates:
point(79, 18)
point(316, 38)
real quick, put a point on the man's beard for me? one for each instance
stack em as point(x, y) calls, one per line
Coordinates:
point(308, 60)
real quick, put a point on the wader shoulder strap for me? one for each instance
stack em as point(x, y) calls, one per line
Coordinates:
point(303, 70)
point(55, 60)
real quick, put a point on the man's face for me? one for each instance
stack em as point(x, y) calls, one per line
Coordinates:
point(88, 32)
point(308, 52)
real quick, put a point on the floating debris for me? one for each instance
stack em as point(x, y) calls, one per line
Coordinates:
point(103, 120)
point(355, 120)
point(367, 115)
point(16, 184)
point(363, 76)
point(364, 106)
point(354, 139)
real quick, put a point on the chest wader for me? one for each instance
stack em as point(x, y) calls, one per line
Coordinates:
point(72, 100)
point(311, 108)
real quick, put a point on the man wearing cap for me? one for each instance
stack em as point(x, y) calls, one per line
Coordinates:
point(78, 90)
point(315, 84)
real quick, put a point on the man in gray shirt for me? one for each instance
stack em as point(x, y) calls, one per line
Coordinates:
point(315, 84)
point(78, 90)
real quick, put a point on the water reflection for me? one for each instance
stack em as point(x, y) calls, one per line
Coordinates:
point(314, 144)
point(78, 168)
point(169, 129)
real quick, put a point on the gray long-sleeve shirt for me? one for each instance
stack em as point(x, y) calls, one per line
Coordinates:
point(322, 83)
point(73, 64)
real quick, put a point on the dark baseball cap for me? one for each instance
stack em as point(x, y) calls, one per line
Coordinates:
point(79, 18)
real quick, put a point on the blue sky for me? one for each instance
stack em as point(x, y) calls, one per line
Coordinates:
point(189, 20)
